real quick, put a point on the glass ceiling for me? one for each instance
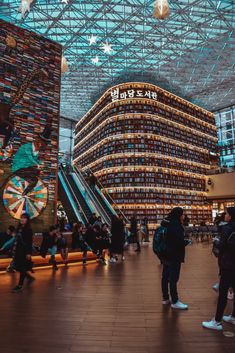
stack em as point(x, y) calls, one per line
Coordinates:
point(112, 41)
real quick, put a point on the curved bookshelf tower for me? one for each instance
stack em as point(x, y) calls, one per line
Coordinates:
point(149, 149)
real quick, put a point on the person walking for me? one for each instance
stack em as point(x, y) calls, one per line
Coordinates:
point(175, 254)
point(226, 246)
point(117, 239)
point(134, 232)
point(22, 251)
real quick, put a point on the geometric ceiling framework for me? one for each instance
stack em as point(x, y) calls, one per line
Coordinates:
point(106, 42)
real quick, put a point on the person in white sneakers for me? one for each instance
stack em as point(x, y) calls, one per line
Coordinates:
point(226, 246)
point(175, 254)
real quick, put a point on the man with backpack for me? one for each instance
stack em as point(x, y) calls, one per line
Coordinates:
point(169, 245)
point(226, 246)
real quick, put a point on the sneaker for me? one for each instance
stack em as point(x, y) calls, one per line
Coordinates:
point(166, 301)
point(229, 319)
point(10, 269)
point(230, 295)
point(212, 325)
point(180, 306)
point(215, 287)
point(123, 258)
point(112, 260)
point(17, 289)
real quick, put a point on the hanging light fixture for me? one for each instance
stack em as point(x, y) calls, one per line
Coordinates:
point(64, 65)
point(161, 9)
point(25, 7)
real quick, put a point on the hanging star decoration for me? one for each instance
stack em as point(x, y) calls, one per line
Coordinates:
point(107, 48)
point(92, 40)
point(64, 65)
point(65, 2)
point(95, 60)
point(25, 7)
point(161, 9)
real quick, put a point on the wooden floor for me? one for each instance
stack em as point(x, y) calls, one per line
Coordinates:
point(115, 308)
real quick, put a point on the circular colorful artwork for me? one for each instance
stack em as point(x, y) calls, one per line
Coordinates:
point(16, 203)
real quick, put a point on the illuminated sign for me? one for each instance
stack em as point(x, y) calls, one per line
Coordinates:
point(132, 93)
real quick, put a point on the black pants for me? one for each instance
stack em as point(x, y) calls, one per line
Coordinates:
point(170, 277)
point(227, 280)
point(23, 275)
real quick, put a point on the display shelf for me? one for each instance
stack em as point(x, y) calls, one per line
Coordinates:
point(150, 150)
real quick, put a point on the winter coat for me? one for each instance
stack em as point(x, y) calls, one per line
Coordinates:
point(134, 226)
point(76, 240)
point(118, 237)
point(227, 248)
point(25, 157)
point(23, 247)
point(48, 242)
point(175, 241)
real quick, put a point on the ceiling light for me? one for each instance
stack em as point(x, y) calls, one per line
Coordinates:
point(95, 60)
point(64, 65)
point(161, 9)
point(107, 48)
point(92, 40)
point(25, 7)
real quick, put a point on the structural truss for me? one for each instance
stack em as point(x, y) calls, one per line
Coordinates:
point(191, 53)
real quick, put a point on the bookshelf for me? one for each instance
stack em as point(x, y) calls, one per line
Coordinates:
point(150, 150)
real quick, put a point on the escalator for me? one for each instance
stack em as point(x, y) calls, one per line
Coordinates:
point(82, 197)
point(69, 200)
point(102, 205)
point(80, 200)
point(90, 196)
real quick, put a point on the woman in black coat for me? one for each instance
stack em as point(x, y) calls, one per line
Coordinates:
point(22, 251)
point(117, 238)
point(175, 253)
point(226, 246)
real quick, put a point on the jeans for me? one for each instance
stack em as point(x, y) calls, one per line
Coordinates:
point(227, 280)
point(170, 277)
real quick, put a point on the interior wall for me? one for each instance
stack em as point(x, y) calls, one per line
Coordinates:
point(221, 185)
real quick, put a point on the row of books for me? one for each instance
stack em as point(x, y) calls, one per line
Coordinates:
point(163, 98)
point(147, 161)
point(155, 216)
point(149, 126)
point(144, 108)
point(134, 145)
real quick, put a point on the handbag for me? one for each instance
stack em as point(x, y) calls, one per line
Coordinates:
point(216, 249)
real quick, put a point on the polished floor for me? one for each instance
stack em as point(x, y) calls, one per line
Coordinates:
point(113, 309)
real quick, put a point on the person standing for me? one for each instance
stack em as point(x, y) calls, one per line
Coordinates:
point(175, 254)
point(134, 232)
point(226, 246)
point(22, 251)
point(117, 239)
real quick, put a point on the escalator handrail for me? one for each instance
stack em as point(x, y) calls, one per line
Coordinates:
point(112, 200)
point(76, 212)
point(73, 194)
point(81, 200)
point(78, 186)
point(93, 196)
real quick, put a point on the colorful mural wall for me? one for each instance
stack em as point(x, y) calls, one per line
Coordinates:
point(29, 123)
